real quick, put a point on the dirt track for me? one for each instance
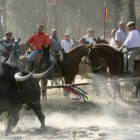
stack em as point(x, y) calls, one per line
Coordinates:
point(99, 119)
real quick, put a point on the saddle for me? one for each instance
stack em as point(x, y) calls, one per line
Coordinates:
point(137, 58)
point(43, 65)
point(60, 57)
point(85, 60)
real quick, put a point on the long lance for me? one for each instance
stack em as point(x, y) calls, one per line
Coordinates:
point(44, 25)
point(54, 57)
point(91, 83)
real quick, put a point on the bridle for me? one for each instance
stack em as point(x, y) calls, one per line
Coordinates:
point(96, 68)
point(16, 49)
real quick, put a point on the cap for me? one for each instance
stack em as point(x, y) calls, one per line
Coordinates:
point(90, 30)
point(130, 23)
point(8, 33)
point(67, 34)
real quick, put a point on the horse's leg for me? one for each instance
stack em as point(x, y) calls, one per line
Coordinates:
point(113, 85)
point(119, 89)
point(44, 91)
point(135, 90)
point(116, 86)
point(52, 81)
point(96, 88)
point(44, 82)
point(73, 80)
point(68, 80)
point(107, 91)
point(37, 110)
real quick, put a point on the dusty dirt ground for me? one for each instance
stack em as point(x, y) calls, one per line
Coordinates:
point(100, 118)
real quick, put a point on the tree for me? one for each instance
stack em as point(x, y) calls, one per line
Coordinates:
point(116, 12)
point(131, 11)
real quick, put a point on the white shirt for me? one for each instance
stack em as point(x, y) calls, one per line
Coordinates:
point(66, 45)
point(89, 39)
point(133, 39)
point(113, 43)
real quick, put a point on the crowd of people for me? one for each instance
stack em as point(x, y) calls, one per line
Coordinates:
point(129, 42)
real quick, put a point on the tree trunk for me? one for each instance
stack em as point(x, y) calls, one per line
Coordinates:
point(116, 12)
point(56, 18)
point(78, 23)
point(4, 13)
point(131, 11)
point(1, 28)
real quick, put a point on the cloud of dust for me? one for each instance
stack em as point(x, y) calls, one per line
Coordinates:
point(63, 120)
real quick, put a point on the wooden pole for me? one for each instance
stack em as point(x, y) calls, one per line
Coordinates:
point(91, 83)
point(104, 18)
point(44, 25)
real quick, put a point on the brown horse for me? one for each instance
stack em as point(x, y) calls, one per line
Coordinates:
point(70, 65)
point(114, 62)
point(98, 41)
point(40, 65)
point(84, 69)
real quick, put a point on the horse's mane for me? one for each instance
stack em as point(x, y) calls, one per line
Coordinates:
point(76, 48)
point(105, 46)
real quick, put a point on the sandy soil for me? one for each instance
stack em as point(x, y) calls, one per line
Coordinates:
point(100, 118)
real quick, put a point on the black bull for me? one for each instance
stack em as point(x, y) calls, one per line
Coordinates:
point(13, 94)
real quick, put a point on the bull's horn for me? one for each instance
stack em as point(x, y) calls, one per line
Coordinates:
point(19, 77)
point(41, 75)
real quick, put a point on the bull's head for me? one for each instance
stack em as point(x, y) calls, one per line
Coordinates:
point(19, 76)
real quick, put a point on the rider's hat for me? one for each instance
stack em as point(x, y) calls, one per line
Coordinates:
point(131, 23)
point(8, 33)
point(90, 30)
point(67, 34)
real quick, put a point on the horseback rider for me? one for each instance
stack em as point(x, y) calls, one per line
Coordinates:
point(132, 44)
point(121, 34)
point(39, 39)
point(8, 39)
point(55, 45)
point(55, 42)
point(67, 43)
point(87, 39)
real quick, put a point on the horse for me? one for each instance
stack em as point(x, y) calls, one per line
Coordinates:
point(114, 61)
point(70, 64)
point(98, 41)
point(40, 65)
point(85, 69)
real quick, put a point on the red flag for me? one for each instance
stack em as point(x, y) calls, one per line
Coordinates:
point(56, 2)
point(106, 14)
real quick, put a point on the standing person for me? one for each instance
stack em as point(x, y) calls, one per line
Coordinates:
point(39, 39)
point(121, 34)
point(7, 38)
point(87, 39)
point(55, 44)
point(67, 43)
point(132, 44)
point(112, 40)
point(120, 38)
